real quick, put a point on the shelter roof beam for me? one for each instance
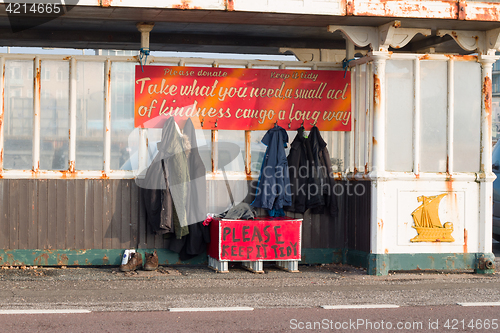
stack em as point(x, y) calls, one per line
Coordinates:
point(382, 37)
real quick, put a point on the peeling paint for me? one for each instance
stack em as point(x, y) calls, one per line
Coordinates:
point(377, 93)
point(38, 260)
point(62, 259)
point(465, 240)
point(105, 260)
point(229, 5)
point(106, 3)
point(185, 4)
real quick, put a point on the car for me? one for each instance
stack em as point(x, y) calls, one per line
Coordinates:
point(496, 191)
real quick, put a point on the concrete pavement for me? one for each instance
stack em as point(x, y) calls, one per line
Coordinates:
point(107, 289)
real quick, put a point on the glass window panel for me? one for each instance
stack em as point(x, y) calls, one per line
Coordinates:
point(54, 113)
point(18, 117)
point(90, 116)
point(433, 115)
point(123, 155)
point(399, 122)
point(226, 155)
point(259, 149)
point(467, 116)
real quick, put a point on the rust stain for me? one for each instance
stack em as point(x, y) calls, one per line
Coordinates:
point(366, 167)
point(462, 10)
point(374, 141)
point(424, 57)
point(489, 13)
point(229, 5)
point(185, 4)
point(105, 260)
point(106, 3)
point(104, 175)
point(72, 167)
point(377, 93)
point(487, 94)
point(75, 262)
point(349, 8)
point(62, 259)
point(386, 251)
point(465, 240)
point(461, 57)
point(380, 224)
point(38, 260)
point(67, 58)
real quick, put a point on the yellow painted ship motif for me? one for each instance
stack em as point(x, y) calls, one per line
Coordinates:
point(427, 223)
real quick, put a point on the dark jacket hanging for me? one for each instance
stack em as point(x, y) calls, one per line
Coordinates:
point(273, 186)
point(310, 174)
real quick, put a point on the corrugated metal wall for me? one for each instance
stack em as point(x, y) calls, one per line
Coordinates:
point(108, 214)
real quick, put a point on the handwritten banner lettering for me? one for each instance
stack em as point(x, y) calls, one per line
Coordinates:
point(260, 239)
point(242, 98)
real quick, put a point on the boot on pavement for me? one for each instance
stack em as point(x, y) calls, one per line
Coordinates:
point(134, 262)
point(151, 261)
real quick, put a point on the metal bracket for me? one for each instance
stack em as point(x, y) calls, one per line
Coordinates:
point(484, 42)
point(380, 38)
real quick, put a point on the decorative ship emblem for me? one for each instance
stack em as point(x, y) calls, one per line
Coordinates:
point(427, 224)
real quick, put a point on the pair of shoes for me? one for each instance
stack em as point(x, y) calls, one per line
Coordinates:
point(134, 261)
point(151, 261)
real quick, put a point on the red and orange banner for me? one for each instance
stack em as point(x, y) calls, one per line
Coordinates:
point(242, 98)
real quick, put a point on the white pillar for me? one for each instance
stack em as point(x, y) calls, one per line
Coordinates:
point(486, 175)
point(378, 146)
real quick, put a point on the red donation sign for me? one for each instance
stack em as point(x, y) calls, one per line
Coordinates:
point(242, 98)
point(261, 239)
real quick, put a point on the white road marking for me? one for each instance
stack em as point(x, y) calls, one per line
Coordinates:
point(480, 304)
point(240, 308)
point(360, 306)
point(33, 311)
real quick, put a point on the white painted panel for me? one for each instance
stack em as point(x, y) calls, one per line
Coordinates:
point(467, 118)
point(322, 7)
point(434, 104)
point(399, 123)
point(451, 209)
point(394, 227)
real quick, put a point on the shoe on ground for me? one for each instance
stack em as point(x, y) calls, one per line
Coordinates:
point(134, 262)
point(151, 261)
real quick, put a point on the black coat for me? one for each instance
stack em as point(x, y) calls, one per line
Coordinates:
point(311, 174)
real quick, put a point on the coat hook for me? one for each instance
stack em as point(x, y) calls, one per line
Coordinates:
point(314, 124)
point(289, 125)
point(216, 120)
point(202, 121)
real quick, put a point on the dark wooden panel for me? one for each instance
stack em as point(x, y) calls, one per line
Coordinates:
point(98, 213)
point(316, 231)
point(43, 211)
point(33, 214)
point(4, 214)
point(52, 214)
point(134, 213)
point(116, 213)
point(107, 215)
point(142, 228)
point(24, 207)
point(14, 214)
point(80, 200)
point(88, 226)
point(324, 227)
point(61, 205)
point(71, 214)
point(126, 214)
point(306, 229)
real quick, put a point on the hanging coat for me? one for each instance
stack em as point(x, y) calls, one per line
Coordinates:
point(322, 160)
point(166, 184)
point(273, 188)
point(195, 243)
point(310, 174)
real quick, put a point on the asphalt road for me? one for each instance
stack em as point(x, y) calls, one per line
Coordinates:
point(404, 319)
point(140, 301)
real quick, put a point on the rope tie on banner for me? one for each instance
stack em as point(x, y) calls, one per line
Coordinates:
point(345, 65)
point(143, 54)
